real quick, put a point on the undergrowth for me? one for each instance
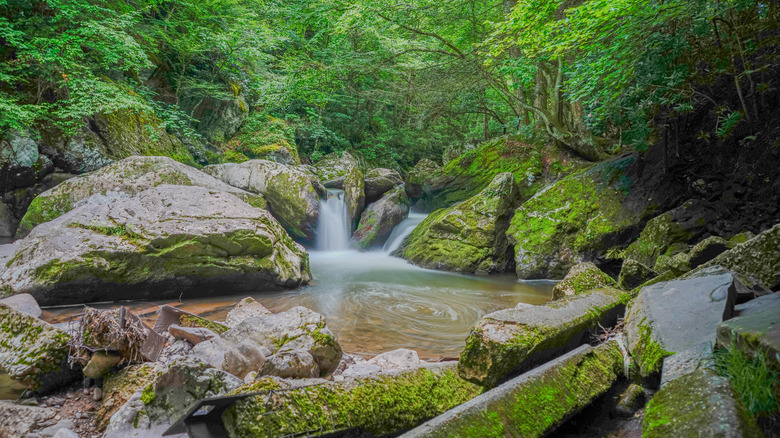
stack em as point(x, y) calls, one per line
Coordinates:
point(751, 378)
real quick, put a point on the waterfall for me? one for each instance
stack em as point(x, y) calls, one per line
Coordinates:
point(333, 226)
point(402, 230)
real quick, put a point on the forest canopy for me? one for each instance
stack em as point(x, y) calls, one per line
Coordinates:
point(395, 82)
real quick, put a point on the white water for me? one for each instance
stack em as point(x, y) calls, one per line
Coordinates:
point(402, 230)
point(333, 226)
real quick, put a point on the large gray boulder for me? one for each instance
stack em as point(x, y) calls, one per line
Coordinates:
point(20, 421)
point(469, 237)
point(581, 278)
point(517, 339)
point(334, 165)
point(123, 178)
point(380, 218)
point(354, 195)
point(292, 195)
point(20, 162)
point(671, 325)
point(379, 181)
point(300, 343)
point(756, 329)
point(163, 242)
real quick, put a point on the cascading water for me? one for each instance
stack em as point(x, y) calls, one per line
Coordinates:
point(402, 230)
point(333, 226)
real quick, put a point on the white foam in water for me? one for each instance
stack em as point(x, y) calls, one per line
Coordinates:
point(402, 230)
point(333, 226)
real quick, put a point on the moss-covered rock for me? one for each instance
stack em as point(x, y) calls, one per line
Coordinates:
point(119, 387)
point(380, 218)
point(468, 237)
point(698, 404)
point(756, 331)
point(263, 137)
point(121, 179)
point(163, 242)
point(381, 405)
point(334, 165)
point(378, 182)
point(292, 195)
point(32, 351)
point(581, 278)
point(574, 218)
point(420, 175)
point(354, 195)
point(633, 273)
point(534, 403)
point(515, 340)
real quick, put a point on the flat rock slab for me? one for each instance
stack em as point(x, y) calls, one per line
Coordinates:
point(757, 329)
point(24, 303)
point(535, 402)
point(515, 340)
point(700, 404)
point(17, 421)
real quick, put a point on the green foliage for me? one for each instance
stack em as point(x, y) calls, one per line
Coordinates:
point(751, 378)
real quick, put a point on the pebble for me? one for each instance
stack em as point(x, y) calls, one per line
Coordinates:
point(97, 394)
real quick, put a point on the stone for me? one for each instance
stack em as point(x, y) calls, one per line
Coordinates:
point(290, 193)
point(581, 278)
point(263, 137)
point(24, 303)
point(334, 165)
point(534, 403)
point(193, 335)
point(17, 421)
point(455, 150)
point(335, 183)
point(119, 387)
point(122, 179)
point(671, 325)
point(100, 363)
point(8, 222)
point(246, 308)
point(379, 181)
point(756, 261)
point(380, 218)
point(706, 250)
point(422, 171)
point(469, 237)
point(354, 195)
point(65, 433)
point(33, 352)
point(381, 405)
point(295, 329)
point(755, 330)
point(168, 241)
point(97, 393)
point(359, 370)
point(757, 305)
point(633, 274)
point(698, 404)
point(287, 363)
point(515, 340)
point(401, 358)
point(19, 160)
point(51, 431)
point(629, 401)
point(245, 358)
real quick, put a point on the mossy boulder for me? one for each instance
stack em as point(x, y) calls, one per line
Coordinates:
point(20, 163)
point(33, 352)
point(334, 165)
point(168, 241)
point(581, 278)
point(515, 340)
point(380, 218)
point(420, 175)
point(756, 330)
point(575, 219)
point(263, 137)
point(354, 195)
point(533, 404)
point(382, 405)
point(379, 181)
point(123, 178)
point(633, 274)
point(468, 237)
point(292, 195)
point(119, 387)
point(698, 404)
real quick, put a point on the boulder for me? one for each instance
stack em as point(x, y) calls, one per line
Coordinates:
point(379, 181)
point(163, 242)
point(581, 278)
point(756, 329)
point(575, 218)
point(354, 195)
point(33, 352)
point(698, 404)
point(100, 363)
point(20, 421)
point(629, 401)
point(455, 150)
point(24, 303)
point(633, 274)
point(287, 335)
point(120, 386)
point(121, 180)
point(290, 193)
point(335, 165)
point(380, 218)
point(515, 340)
point(417, 177)
point(671, 325)
point(291, 363)
point(8, 222)
point(707, 250)
point(246, 308)
point(468, 237)
point(381, 405)
point(20, 163)
point(263, 137)
point(533, 404)
point(193, 335)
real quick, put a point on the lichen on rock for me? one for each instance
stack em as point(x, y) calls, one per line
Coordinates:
point(581, 278)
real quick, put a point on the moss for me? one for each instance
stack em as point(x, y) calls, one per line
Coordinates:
point(147, 395)
point(42, 209)
point(119, 387)
point(757, 258)
point(196, 321)
point(380, 405)
point(263, 137)
point(648, 354)
point(582, 278)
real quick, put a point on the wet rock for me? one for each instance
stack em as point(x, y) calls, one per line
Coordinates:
point(381, 405)
point(379, 181)
point(246, 308)
point(33, 352)
point(290, 193)
point(100, 363)
point(756, 329)
point(335, 165)
point(468, 237)
point(122, 180)
point(335, 183)
point(193, 335)
point(422, 171)
point(515, 340)
point(16, 420)
point(533, 403)
point(380, 218)
point(629, 401)
point(633, 274)
point(163, 242)
point(354, 195)
point(24, 303)
point(698, 404)
point(671, 325)
point(581, 278)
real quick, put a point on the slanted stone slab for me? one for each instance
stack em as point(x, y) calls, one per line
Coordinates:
point(756, 329)
point(381, 405)
point(757, 260)
point(581, 278)
point(515, 340)
point(534, 403)
point(671, 325)
point(33, 351)
point(700, 404)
